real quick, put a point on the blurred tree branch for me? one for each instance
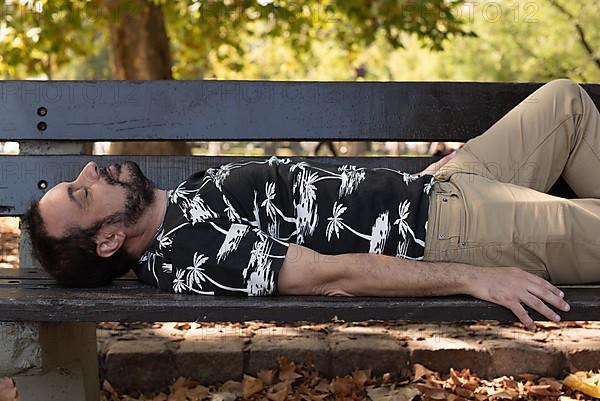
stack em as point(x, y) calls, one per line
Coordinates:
point(580, 31)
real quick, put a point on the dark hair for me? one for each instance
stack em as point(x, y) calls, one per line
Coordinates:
point(72, 260)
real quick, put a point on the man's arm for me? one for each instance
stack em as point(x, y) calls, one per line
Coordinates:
point(306, 272)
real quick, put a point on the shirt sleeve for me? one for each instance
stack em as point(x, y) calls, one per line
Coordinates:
point(221, 257)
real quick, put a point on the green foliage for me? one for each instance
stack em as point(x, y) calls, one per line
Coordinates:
point(40, 36)
point(517, 41)
point(37, 36)
point(318, 40)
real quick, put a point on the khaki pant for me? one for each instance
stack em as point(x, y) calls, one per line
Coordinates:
point(489, 206)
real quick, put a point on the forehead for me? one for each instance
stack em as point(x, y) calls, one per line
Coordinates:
point(58, 207)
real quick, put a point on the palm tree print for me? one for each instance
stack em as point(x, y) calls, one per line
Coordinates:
point(181, 193)
point(232, 214)
point(243, 221)
point(178, 283)
point(198, 211)
point(164, 240)
point(427, 187)
point(407, 178)
point(196, 275)
point(219, 175)
point(268, 202)
point(272, 210)
point(149, 258)
point(335, 222)
point(351, 177)
point(167, 267)
point(232, 240)
point(404, 229)
point(306, 211)
point(274, 160)
point(379, 231)
point(258, 274)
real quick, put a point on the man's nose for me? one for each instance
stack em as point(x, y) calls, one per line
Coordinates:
point(89, 173)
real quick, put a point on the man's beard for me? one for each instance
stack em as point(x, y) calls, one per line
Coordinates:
point(139, 192)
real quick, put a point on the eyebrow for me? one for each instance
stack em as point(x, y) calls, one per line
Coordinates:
point(71, 197)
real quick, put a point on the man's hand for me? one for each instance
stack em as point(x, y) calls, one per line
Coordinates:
point(307, 272)
point(435, 166)
point(8, 390)
point(511, 287)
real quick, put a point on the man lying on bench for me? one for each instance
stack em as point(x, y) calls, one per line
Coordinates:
point(478, 222)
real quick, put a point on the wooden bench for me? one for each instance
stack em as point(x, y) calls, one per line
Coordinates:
point(48, 332)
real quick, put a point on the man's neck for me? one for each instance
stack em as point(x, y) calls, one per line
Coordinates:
point(150, 222)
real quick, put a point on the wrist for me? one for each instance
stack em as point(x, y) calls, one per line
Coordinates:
point(468, 278)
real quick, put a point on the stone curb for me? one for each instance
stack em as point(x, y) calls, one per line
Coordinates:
point(151, 362)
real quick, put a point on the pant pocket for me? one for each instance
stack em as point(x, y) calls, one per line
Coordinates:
point(449, 218)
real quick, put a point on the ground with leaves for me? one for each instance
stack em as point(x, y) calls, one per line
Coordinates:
point(292, 381)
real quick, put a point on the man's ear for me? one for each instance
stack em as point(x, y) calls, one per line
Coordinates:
point(109, 242)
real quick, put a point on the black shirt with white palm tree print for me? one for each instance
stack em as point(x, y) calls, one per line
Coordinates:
point(226, 230)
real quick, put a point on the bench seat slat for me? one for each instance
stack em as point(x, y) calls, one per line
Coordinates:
point(127, 300)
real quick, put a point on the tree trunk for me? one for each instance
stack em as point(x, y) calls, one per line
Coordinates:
point(140, 51)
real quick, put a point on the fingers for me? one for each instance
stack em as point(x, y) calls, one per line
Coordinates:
point(549, 297)
point(541, 282)
point(538, 294)
point(522, 315)
point(539, 306)
point(8, 390)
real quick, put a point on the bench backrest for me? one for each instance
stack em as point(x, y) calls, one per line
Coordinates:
point(60, 111)
point(46, 116)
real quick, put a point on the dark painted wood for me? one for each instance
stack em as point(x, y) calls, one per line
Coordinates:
point(255, 110)
point(138, 302)
point(39, 299)
point(236, 110)
point(24, 178)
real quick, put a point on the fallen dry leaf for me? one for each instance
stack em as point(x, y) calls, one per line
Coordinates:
point(251, 385)
point(293, 381)
point(178, 394)
point(432, 392)
point(323, 386)
point(584, 382)
point(542, 389)
point(502, 395)
point(278, 392)
point(360, 377)
point(229, 391)
point(404, 393)
point(267, 376)
point(182, 326)
point(342, 386)
point(421, 371)
point(184, 382)
point(232, 386)
point(223, 396)
point(287, 369)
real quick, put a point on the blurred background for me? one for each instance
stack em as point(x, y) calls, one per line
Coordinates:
point(317, 40)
